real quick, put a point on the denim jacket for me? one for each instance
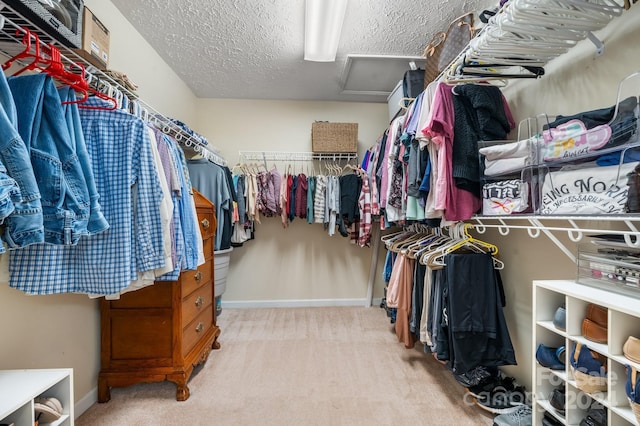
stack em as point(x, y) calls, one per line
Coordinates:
point(25, 223)
point(97, 222)
point(62, 184)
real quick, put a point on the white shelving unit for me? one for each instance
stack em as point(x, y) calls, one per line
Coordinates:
point(19, 388)
point(624, 321)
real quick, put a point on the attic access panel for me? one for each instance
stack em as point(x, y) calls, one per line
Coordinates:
point(375, 75)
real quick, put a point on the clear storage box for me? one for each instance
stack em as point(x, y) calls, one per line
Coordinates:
point(610, 265)
point(509, 177)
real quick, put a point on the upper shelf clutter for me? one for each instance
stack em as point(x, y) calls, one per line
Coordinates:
point(14, 25)
point(583, 164)
point(524, 35)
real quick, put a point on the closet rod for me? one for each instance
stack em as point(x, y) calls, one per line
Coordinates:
point(295, 156)
point(10, 44)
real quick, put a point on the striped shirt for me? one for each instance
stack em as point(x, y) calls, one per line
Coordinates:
point(119, 148)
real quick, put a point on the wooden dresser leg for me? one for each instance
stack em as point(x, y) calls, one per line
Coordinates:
point(182, 392)
point(216, 344)
point(104, 393)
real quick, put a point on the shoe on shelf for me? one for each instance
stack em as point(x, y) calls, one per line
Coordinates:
point(596, 416)
point(557, 400)
point(560, 319)
point(594, 331)
point(548, 357)
point(589, 369)
point(549, 420)
point(631, 349)
point(522, 416)
point(597, 314)
point(632, 386)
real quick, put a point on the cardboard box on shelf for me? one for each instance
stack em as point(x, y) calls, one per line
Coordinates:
point(95, 41)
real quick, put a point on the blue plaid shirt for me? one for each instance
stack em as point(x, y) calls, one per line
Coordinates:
point(180, 263)
point(187, 232)
point(130, 195)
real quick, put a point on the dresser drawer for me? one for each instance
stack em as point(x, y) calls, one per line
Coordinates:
point(197, 328)
point(157, 295)
point(191, 280)
point(207, 223)
point(196, 302)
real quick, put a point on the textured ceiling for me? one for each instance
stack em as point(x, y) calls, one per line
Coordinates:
point(253, 49)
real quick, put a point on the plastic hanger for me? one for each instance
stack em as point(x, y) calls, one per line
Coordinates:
point(48, 59)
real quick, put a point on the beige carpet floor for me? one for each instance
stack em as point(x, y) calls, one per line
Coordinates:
point(301, 366)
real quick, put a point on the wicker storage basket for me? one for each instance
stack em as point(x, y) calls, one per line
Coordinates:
point(334, 137)
point(588, 383)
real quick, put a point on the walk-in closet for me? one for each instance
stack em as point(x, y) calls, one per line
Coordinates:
point(207, 219)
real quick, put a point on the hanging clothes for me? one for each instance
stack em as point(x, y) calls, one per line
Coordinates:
point(210, 180)
point(319, 199)
point(474, 298)
point(61, 181)
point(119, 148)
point(311, 184)
point(301, 196)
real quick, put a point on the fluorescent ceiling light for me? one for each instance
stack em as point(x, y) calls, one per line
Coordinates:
point(322, 28)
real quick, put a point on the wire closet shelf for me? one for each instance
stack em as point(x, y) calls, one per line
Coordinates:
point(292, 156)
point(13, 26)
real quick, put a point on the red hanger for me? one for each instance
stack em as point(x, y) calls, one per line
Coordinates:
point(26, 53)
point(53, 66)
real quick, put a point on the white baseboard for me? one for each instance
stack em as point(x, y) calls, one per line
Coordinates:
point(299, 303)
point(85, 403)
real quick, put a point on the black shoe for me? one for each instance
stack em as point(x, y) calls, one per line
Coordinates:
point(502, 401)
point(549, 420)
point(596, 416)
point(477, 376)
point(557, 400)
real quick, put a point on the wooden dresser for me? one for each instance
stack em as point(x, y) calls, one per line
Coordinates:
point(162, 331)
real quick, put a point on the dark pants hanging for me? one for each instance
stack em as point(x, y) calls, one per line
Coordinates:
point(477, 330)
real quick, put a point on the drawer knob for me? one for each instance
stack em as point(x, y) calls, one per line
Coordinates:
point(199, 327)
point(198, 276)
point(205, 223)
point(199, 301)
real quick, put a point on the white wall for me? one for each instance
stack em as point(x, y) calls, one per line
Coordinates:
point(64, 330)
point(301, 262)
point(158, 85)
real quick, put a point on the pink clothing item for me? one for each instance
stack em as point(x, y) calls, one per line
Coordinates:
point(458, 204)
point(440, 128)
point(394, 282)
point(283, 201)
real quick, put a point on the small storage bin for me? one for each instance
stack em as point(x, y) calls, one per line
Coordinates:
point(334, 137)
point(63, 23)
point(509, 177)
point(590, 190)
point(609, 266)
